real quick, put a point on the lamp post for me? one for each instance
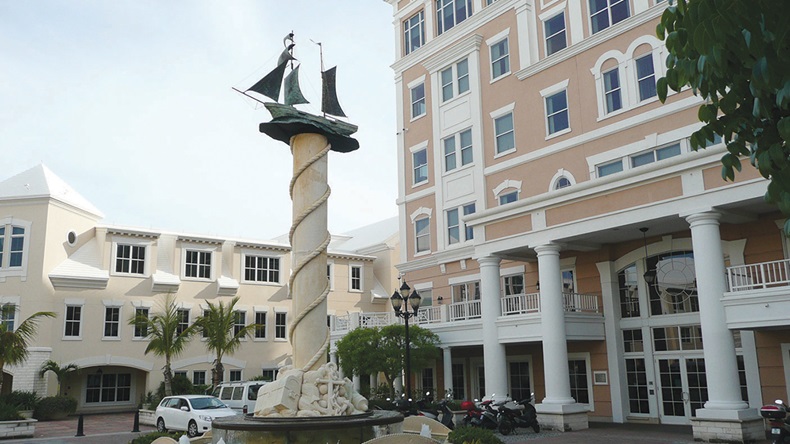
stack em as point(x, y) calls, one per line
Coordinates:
point(402, 311)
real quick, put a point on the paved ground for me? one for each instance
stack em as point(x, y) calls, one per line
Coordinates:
point(116, 429)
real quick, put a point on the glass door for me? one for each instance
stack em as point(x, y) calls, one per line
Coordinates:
point(682, 388)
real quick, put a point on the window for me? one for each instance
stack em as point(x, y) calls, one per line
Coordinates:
point(260, 327)
point(234, 375)
point(554, 30)
point(426, 379)
point(508, 197)
point(203, 331)
point(458, 383)
point(418, 101)
point(611, 85)
point(422, 234)
point(198, 377)
point(420, 164)
point(356, 278)
point(677, 338)
point(604, 13)
point(519, 380)
point(636, 379)
point(183, 320)
point(108, 388)
point(467, 291)
point(261, 269)
point(182, 374)
point(610, 168)
point(130, 259)
point(646, 77)
point(112, 321)
point(73, 320)
point(557, 112)
point(513, 284)
point(655, 155)
point(269, 374)
point(455, 233)
point(562, 182)
point(629, 295)
point(239, 322)
point(451, 12)
point(505, 137)
point(413, 32)
point(455, 80)
point(329, 277)
point(580, 389)
point(455, 147)
point(632, 341)
point(279, 325)
point(141, 328)
point(7, 316)
point(198, 264)
point(500, 59)
point(12, 245)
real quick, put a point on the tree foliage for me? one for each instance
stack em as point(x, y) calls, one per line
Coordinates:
point(14, 342)
point(736, 55)
point(60, 372)
point(383, 350)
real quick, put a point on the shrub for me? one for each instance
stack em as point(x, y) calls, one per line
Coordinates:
point(472, 435)
point(382, 391)
point(181, 385)
point(55, 407)
point(9, 412)
point(21, 399)
point(148, 438)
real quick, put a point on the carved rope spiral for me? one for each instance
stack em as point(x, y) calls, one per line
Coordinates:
point(313, 255)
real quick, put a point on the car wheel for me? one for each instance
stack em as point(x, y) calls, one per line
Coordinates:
point(160, 425)
point(192, 430)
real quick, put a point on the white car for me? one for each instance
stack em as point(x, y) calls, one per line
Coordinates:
point(191, 413)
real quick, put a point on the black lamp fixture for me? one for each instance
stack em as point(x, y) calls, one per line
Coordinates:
point(650, 275)
point(402, 311)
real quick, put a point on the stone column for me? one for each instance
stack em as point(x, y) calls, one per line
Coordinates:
point(725, 407)
point(558, 409)
point(447, 362)
point(309, 238)
point(493, 351)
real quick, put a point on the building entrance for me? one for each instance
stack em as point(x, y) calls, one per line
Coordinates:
point(682, 387)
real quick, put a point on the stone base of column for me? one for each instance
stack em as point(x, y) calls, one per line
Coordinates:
point(728, 426)
point(562, 417)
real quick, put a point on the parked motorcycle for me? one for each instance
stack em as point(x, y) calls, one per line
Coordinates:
point(423, 409)
point(776, 414)
point(522, 414)
point(481, 414)
point(446, 415)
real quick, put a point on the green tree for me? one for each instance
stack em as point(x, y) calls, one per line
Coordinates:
point(736, 55)
point(166, 336)
point(14, 343)
point(373, 350)
point(60, 372)
point(222, 332)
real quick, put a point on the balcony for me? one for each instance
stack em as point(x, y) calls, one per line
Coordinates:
point(758, 296)
point(581, 310)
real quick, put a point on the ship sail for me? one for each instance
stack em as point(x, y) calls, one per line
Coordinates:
point(329, 103)
point(293, 95)
point(269, 86)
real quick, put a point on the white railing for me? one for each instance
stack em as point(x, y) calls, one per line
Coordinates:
point(368, 320)
point(429, 315)
point(520, 304)
point(584, 303)
point(762, 275)
point(460, 311)
point(342, 323)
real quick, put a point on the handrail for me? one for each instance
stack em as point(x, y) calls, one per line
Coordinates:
point(760, 275)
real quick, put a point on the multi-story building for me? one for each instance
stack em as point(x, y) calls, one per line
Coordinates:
point(564, 236)
point(56, 255)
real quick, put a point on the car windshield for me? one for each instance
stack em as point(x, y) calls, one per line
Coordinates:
point(207, 403)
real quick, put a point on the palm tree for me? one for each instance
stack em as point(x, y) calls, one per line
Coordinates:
point(60, 372)
point(167, 337)
point(222, 333)
point(14, 343)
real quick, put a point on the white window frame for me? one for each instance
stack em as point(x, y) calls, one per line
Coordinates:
point(69, 302)
point(496, 115)
point(420, 214)
point(561, 87)
point(236, 324)
point(351, 267)
point(15, 301)
point(561, 174)
point(458, 151)
point(6, 269)
point(265, 312)
point(277, 313)
point(455, 81)
point(496, 40)
point(508, 185)
point(408, 29)
point(200, 250)
point(112, 304)
point(268, 257)
point(638, 93)
point(133, 243)
point(618, 91)
point(132, 391)
point(197, 372)
point(550, 15)
point(440, 25)
point(521, 358)
point(188, 310)
point(423, 146)
point(585, 357)
point(608, 12)
point(330, 272)
point(413, 85)
point(461, 226)
point(238, 371)
point(624, 156)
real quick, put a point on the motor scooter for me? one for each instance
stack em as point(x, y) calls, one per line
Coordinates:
point(481, 414)
point(522, 414)
point(422, 407)
point(776, 414)
point(447, 415)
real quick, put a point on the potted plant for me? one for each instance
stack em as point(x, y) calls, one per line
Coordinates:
point(23, 401)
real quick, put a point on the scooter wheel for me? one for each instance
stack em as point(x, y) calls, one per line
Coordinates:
point(505, 427)
point(536, 427)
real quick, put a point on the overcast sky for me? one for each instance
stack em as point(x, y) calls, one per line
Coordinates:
point(130, 102)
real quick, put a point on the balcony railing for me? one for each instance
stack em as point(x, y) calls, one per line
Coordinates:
point(577, 302)
point(758, 276)
point(460, 311)
point(520, 304)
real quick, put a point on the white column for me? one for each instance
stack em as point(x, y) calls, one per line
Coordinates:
point(357, 381)
point(493, 352)
point(374, 382)
point(333, 358)
point(397, 384)
point(614, 342)
point(447, 358)
point(552, 316)
point(721, 366)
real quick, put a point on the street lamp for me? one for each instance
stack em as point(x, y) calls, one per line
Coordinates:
point(402, 311)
